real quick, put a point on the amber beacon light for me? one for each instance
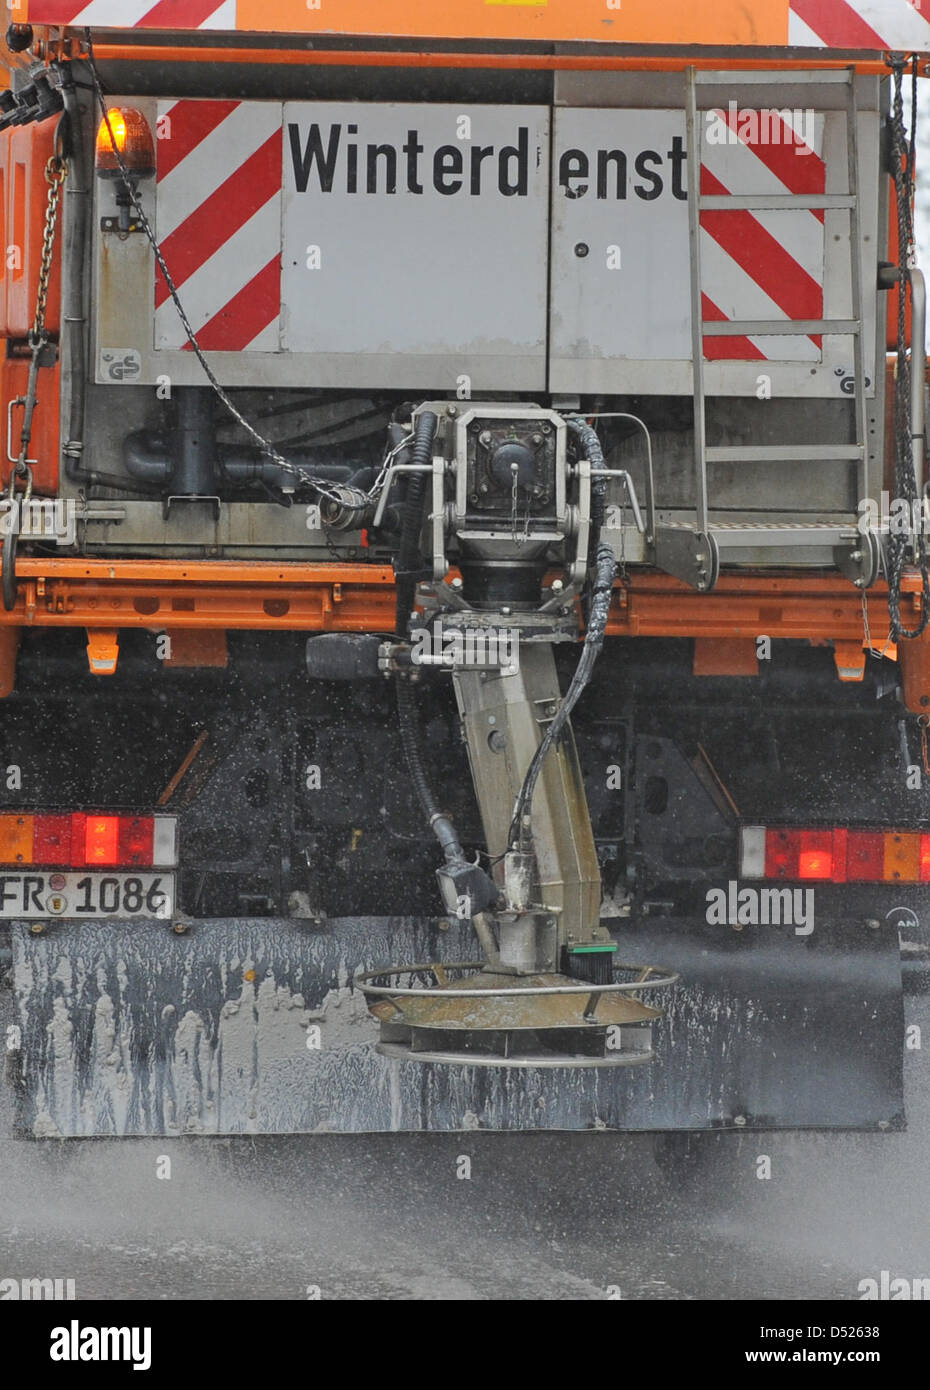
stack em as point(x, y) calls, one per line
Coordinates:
point(125, 136)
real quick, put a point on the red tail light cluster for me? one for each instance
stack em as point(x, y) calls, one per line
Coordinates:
point(83, 840)
point(835, 856)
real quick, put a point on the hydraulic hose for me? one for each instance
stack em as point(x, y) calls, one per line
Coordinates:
point(604, 568)
point(591, 446)
point(406, 569)
point(440, 825)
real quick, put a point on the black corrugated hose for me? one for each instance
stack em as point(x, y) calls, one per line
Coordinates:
point(440, 825)
point(591, 447)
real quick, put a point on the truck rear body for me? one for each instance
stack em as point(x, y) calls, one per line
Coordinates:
point(360, 356)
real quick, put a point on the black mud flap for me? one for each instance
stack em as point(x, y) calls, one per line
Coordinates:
point(252, 1026)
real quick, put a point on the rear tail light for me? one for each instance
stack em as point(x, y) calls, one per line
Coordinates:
point(839, 855)
point(84, 840)
point(101, 840)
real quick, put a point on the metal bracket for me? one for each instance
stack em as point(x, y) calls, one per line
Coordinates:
point(861, 560)
point(111, 224)
point(214, 503)
point(692, 556)
point(11, 457)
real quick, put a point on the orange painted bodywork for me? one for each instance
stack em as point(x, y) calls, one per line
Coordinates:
point(24, 152)
point(165, 595)
point(44, 446)
point(384, 58)
point(817, 607)
point(172, 594)
point(636, 21)
point(197, 602)
point(717, 23)
point(725, 656)
point(914, 659)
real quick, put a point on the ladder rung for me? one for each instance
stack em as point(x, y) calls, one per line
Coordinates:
point(759, 77)
point(750, 202)
point(785, 328)
point(733, 535)
point(781, 453)
point(745, 536)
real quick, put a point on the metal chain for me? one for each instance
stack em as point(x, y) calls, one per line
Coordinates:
point(319, 485)
point(902, 161)
point(56, 171)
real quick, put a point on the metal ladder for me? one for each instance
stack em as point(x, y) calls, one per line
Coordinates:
point(693, 551)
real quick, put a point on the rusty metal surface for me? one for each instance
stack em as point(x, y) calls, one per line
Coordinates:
point(497, 1010)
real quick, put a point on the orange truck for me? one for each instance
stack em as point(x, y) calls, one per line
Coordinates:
point(488, 437)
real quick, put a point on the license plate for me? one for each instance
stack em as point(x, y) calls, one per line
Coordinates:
point(86, 895)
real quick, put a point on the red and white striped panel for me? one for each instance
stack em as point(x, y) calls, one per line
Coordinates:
point(869, 24)
point(218, 220)
point(763, 264)
point(137, 14)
